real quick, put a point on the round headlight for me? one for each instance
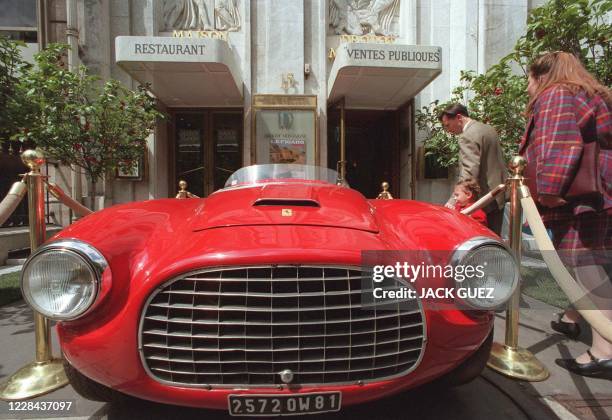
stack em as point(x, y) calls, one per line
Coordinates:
point(62, 280)
point(488, 275)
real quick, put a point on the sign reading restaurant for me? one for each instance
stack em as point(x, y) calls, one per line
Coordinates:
point(134, 52)
point(168, 49)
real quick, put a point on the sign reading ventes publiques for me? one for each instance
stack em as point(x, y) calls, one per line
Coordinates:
point(392, 55)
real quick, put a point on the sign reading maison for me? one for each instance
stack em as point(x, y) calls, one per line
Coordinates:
point(200, 34)
point(370, 38)
point(168, 49)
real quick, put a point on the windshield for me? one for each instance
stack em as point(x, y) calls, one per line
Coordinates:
point(259, 173)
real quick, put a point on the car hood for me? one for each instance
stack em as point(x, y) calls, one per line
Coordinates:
point(286, 204)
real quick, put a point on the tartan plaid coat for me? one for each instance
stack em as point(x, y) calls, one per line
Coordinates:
point(553, 143)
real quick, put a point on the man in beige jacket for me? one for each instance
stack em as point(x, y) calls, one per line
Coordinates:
point(480, 157)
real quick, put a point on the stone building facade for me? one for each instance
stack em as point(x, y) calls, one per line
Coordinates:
point(327, 82)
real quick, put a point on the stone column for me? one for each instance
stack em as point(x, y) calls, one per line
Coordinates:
point(95, 53)
point(244, 58)
point(144, 17)
point(278, 45)
point(503, 22)
point(408, 22)
point(463, 31)
point(95, 37)
point(315, 54)
point(452, 25)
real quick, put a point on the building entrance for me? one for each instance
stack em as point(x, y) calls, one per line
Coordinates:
point(206, 148)
point(369, 153)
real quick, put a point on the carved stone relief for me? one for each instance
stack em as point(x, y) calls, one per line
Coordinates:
point(220, 15)
point(227, 15)
point(363, 17)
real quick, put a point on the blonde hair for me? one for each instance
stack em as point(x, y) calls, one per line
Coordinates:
point(565, 69)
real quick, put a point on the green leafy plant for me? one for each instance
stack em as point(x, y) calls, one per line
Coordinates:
point(80, 121)
point(443, 146)
point(9, 288)
point(581, 27)
point(12, 102)
point(498, 97)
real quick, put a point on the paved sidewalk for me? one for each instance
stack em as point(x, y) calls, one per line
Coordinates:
point(481, 399)
point(568, 395)
point(490, 396)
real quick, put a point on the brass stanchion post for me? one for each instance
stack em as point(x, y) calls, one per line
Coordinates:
point(384, 194)
point(183, 193)
point(509, 359)
point(45, 374)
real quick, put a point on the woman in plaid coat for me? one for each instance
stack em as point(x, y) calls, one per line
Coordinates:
point(564, 98)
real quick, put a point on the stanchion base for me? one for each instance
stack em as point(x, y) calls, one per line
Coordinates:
point(35, 379)
point(516, 363)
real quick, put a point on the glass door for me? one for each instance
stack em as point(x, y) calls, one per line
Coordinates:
point(190, 152)
point(208, 149)
point(336, 138)
point(363, 147)
point(227, 153)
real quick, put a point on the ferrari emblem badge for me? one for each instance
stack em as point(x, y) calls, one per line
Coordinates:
point(286, 212)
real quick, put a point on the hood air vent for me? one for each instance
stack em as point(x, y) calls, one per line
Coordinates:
point(286, 202)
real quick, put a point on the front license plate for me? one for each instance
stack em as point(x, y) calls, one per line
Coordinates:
point(283, 405)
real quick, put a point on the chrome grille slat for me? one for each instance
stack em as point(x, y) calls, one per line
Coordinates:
point(158, 346)
point(268, 295)
point(261, 309)
point(304, 373)
point(331, 359)
point(259, 337)
point(240, 326)
point(276, 279)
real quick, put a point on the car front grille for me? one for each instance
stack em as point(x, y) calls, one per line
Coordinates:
point(242, 326)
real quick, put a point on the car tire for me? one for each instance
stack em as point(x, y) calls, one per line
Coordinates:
point(88, 388)
point(470, 368)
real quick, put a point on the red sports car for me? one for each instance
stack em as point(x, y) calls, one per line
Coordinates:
point(263, 298)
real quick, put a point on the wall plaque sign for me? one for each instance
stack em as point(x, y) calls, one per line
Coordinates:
point(285, 129)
